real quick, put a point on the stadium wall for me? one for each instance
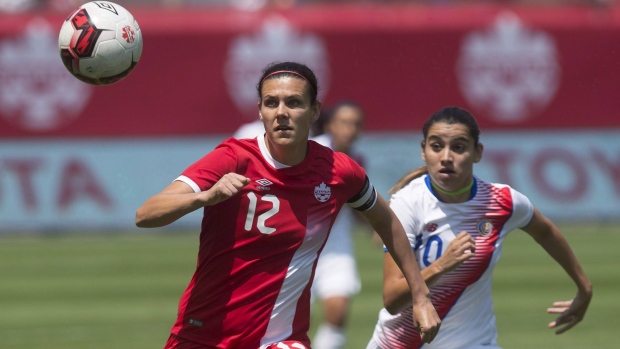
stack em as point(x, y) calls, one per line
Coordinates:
point(542, 82)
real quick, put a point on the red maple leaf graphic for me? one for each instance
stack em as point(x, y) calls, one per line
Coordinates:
point(128, 34)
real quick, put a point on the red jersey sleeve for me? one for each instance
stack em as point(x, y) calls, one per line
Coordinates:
point(365, 195)
point(205, 172)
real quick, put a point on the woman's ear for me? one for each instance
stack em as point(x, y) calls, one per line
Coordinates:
point(479, 151)
point(422, 145)
point(316, 111)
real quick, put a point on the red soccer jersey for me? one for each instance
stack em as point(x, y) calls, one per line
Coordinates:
point(258, 249)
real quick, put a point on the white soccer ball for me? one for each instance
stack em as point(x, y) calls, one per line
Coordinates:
point(100, 43)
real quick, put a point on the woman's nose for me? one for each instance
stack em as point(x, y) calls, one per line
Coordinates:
point(281, 111)
point(446, 155)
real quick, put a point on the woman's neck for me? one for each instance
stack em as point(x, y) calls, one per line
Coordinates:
point(454, 196)
point(290, 155)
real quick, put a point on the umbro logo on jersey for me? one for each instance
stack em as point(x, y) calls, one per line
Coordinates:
point(322, 192)
point(264, 184)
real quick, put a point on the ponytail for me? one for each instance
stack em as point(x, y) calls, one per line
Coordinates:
point(413, 174)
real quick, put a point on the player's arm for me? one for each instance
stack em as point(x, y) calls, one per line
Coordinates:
point(395, 289)
point(391, 231)
point(553, 241)
point(179, 199)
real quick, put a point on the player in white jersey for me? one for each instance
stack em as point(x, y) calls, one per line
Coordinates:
point(268, 205)
point(456, 224)
point(336, 278)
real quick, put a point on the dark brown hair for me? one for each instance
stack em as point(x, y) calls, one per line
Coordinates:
point(293, 69)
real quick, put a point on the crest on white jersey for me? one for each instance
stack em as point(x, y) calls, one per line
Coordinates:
point(322, 192)
point(510, 71)
point(485, 227)
point(36, 91)
point(276, 41)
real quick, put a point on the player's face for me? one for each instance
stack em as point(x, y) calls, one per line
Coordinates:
point(450, 152)
point(287, 112)
point(345, 126)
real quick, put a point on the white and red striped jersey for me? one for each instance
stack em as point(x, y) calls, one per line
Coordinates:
point(461, 297)
point(258, 250)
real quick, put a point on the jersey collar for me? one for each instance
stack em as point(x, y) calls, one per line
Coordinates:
point(427, 180)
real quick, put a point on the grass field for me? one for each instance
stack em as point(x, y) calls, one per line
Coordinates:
point(121, 290)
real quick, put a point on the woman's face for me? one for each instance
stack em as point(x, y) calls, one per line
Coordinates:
point(450, 152)
point(344, 127)
point(286, 110)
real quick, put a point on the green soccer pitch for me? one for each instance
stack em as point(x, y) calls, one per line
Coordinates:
point(107, 291)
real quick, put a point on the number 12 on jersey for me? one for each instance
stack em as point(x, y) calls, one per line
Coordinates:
point(260, 223)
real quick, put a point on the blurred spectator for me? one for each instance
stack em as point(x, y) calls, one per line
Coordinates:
point(13, 6)
point(62, 5)
point(16, 6)
point(248, 5)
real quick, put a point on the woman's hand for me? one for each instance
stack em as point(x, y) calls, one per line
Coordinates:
point(228, 186)
point(425, 319)
point(571, 312)
point(459, 250)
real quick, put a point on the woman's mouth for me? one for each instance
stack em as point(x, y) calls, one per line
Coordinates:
point(446, 171)
point(283, 128)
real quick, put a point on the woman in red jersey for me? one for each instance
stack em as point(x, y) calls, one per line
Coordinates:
point(269, 204)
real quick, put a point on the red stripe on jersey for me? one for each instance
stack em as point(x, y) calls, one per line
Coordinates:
point(493, 204)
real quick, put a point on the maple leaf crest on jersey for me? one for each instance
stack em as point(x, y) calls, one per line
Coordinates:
point(322, 192)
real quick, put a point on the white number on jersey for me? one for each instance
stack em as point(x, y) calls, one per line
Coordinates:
point(249, 220)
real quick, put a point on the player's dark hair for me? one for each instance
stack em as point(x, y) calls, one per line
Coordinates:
point(451, 116)
point(448, 115)
point(293, 69)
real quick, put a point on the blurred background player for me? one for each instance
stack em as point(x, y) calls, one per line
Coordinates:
point(456, 224)
point(336, 278)
point(250, 130)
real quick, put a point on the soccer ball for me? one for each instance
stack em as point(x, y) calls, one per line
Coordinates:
point(100, 43)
